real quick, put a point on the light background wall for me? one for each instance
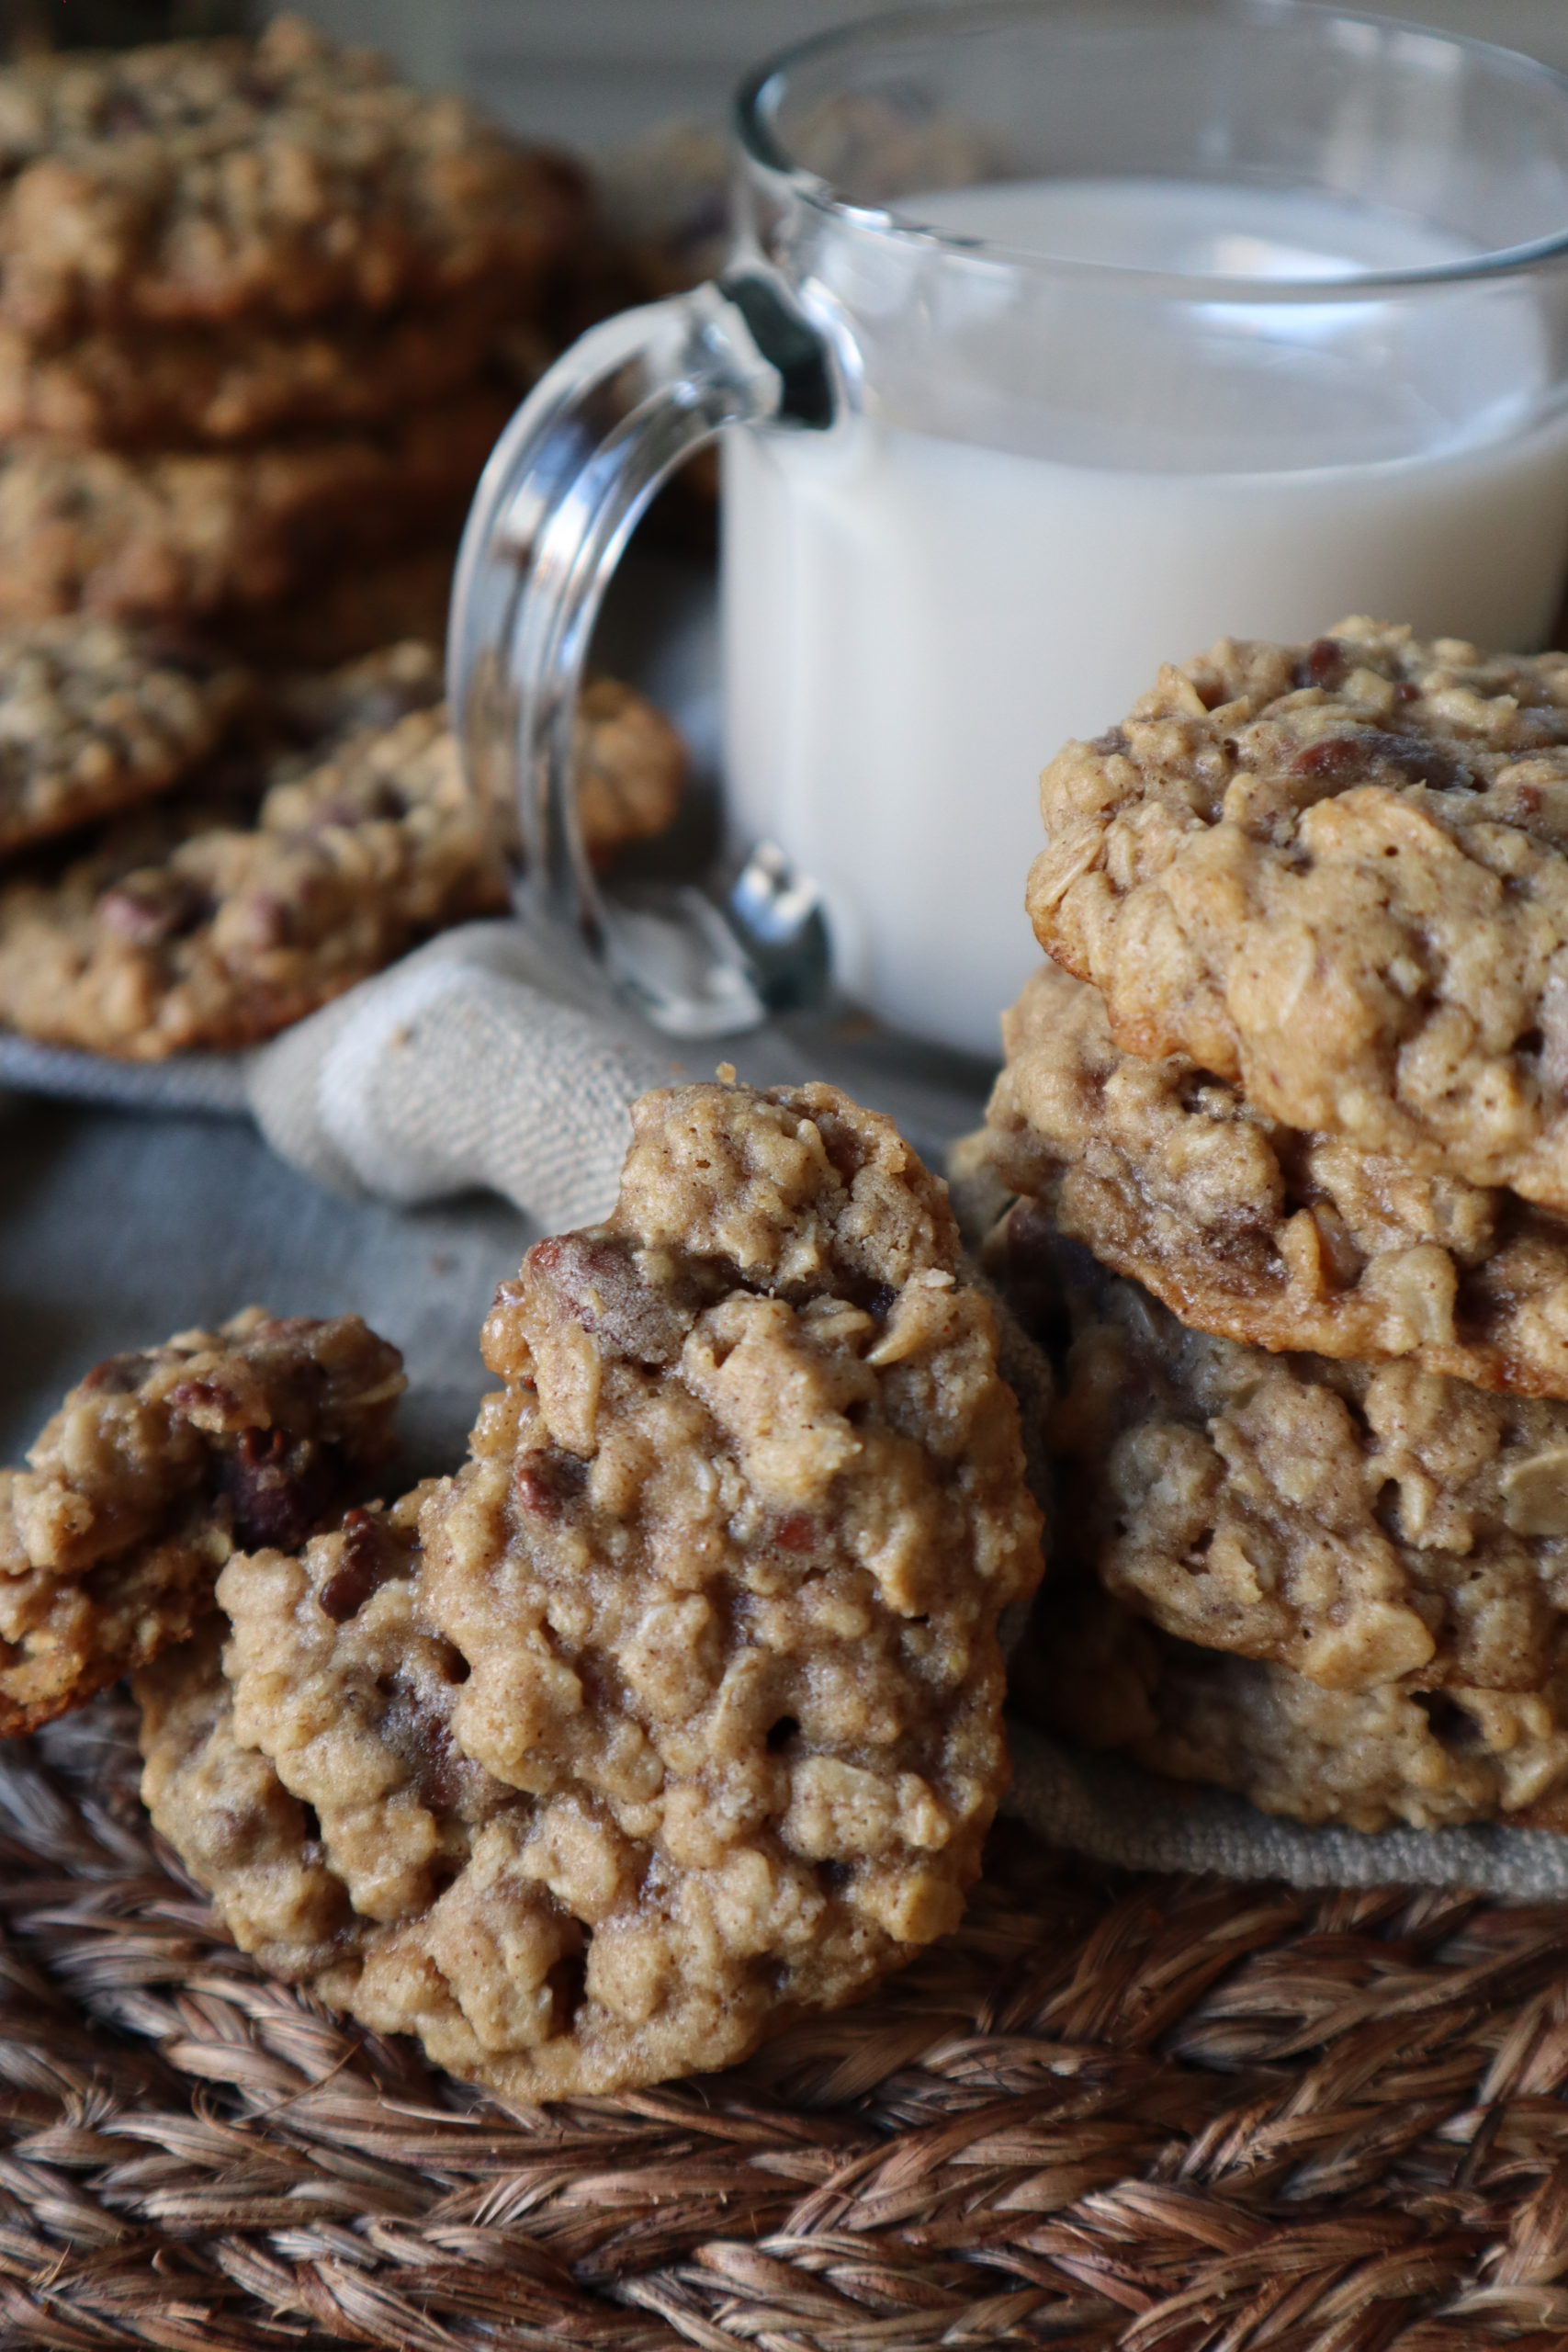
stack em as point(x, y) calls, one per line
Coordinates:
point(594, 72)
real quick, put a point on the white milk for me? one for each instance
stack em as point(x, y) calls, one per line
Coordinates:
point(914, 622)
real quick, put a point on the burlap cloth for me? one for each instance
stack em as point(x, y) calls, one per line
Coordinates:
point(475, 1063)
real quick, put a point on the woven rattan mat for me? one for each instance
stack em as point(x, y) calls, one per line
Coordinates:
point(1130, 2112)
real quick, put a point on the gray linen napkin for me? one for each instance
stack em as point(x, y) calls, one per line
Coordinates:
point(475, 1062)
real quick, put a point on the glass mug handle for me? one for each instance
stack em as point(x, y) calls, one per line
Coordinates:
point(562, 492)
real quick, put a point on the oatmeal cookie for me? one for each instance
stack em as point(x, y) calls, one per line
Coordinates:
point(1369, 1758)
point(94, 718)
point(1258, 1231)
point(680, 1711)
point(233, 1824)
point(631, 768)
point(169, 537)
point(1359, 1524)
point(153, 1467)
point(175, 386)
point(1337, 873)
point(275, 179)
point(209, 923)
point(725, 1570)
point(183, 931)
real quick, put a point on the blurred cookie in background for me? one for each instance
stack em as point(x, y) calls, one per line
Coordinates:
point(264, 311)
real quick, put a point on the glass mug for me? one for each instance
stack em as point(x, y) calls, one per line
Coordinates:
point(1056, 342)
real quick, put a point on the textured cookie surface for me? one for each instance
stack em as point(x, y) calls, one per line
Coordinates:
point(208, 925)
point(1339, 874)
point(182, 931)
point(232, 1821)
point(172, 387)
point(153, 1467)
point(1369, 1758)
point(1257, 1231)
point(681, 1712)
point(168, 536)
point(279, 177)
point(1361, 1525)
point(93, 718)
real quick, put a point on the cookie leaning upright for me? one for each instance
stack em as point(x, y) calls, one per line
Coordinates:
point(1339, 875)
point(681, 1715)
point(726, 1567)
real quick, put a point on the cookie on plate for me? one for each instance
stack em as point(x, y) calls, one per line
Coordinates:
point(1261, 1232)
point(1337, 873)
point(631, 768)
point(213, 923)
point(680, 1712)
point(1432, 1760)
point(273, 179)
point(182, 930)
point(155, 1465)
point(1360, 1524)
point(94, 718)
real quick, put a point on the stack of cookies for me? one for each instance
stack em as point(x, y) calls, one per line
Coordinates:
point(260, 308)
point(1287, 1125)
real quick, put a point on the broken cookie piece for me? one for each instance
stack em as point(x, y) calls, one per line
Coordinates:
point(680, 1712)
point(156, 1465)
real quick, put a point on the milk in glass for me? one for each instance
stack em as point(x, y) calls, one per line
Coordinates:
point(918, 611)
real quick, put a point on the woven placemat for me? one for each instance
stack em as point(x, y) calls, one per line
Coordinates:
point(1112, 2110)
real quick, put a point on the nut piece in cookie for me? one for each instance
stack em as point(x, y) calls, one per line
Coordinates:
point(1257, 1231)
point(1369, 1758)
point(94, 718)
point(1339, 874)
point(153, 1468)
point(1359, 1524)
point(687, 1717)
